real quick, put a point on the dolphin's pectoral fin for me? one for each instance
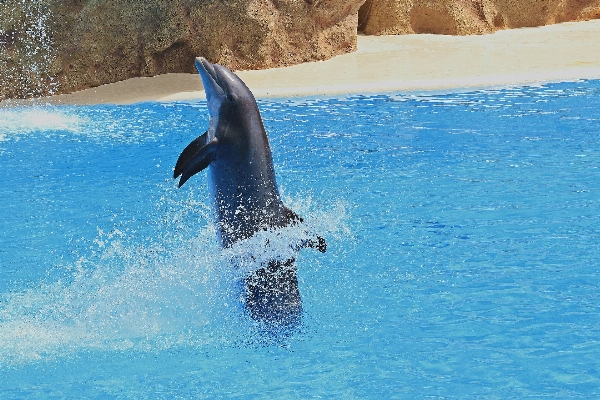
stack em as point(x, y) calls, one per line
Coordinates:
point(291, 218)
point(198, 161)
point(188, 153)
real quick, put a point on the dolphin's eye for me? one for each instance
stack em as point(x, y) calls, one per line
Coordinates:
point(229, 97)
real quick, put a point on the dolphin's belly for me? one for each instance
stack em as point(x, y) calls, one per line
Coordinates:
point(242, 207)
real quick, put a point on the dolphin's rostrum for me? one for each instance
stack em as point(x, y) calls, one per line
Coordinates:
point(243, 190)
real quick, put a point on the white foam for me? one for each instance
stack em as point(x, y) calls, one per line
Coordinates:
point(27, 120)
point(169, 291)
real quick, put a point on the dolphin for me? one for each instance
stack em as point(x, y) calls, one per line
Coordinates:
point(243, 190)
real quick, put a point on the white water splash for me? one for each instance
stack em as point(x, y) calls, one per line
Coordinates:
point(125, 296)
point(170, 291)
point(26, 49)
point(18, 121)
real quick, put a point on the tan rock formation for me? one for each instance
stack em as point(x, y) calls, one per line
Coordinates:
point(94, 42)
point(466, 17)
point(60, 46)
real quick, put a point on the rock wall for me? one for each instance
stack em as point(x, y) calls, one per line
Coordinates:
point(26, 50)
point(94, 42)
point(60, 46)
point(467, 17)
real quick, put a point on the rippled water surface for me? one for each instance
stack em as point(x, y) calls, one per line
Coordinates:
point(463, 251)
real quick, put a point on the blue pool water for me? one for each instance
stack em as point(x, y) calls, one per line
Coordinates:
point(463, 251)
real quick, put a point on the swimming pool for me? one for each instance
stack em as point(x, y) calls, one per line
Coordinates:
point(463, 251)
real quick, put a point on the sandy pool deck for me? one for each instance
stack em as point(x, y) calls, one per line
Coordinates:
point(405, 63)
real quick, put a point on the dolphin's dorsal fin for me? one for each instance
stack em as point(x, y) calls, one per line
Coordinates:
point(188, 153)
point(195, 157)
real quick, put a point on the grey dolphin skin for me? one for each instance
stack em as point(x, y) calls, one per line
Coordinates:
point(243, 190)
